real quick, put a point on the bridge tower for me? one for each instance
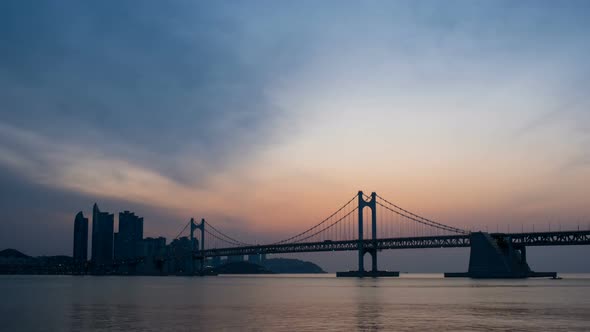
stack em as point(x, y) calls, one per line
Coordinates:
point(362, 245)
point(201, 227)
point(362, 203)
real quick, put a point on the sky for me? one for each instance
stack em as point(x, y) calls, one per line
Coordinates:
point(265, 116)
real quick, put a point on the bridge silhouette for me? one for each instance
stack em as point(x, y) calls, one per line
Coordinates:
point(370, 223)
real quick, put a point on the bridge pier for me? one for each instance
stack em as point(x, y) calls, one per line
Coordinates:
point(199, 256)
point(499, 258)
point(194, 244)
point(372, 204)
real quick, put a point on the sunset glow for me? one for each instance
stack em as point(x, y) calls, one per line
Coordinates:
point(267, 121)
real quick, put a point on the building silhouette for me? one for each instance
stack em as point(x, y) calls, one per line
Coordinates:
point(181, 252)
point(102, 239)
point(128, 241)
point(153, 247)
point(153, 253)
point(80, 239)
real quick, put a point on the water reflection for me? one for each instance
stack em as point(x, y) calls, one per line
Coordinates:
point(369, 307)
point(291, 303)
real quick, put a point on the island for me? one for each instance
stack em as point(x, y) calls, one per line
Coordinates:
point(270, 266)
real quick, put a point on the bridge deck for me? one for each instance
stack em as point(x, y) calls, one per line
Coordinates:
point(444, 241)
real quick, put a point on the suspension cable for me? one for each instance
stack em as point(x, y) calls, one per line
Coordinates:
point(327, 227)
point(183, 229)
point(317, 225)
point(425, 222)
point(221, 239)
point(422, 218)
point(227, 236)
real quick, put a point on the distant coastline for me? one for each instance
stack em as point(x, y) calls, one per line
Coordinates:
point(13, 261)
point(270, 266)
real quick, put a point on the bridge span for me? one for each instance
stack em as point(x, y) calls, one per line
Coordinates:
point(492, 255)
point(444, 241)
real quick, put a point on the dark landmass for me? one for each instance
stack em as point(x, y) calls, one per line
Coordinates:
point(12, 253)
point(288, 265)
point(274, 265)
point(241, 268)
point(15, 262)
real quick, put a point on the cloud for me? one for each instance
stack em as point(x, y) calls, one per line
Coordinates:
point(263, 114)
point(168, 86)
point(135, 105)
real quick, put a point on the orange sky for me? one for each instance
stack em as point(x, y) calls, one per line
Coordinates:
point(266, 124)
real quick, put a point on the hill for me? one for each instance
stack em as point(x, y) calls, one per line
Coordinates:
point(288, 265)
point(273, 265)
point(12, 253)
point(241, 268)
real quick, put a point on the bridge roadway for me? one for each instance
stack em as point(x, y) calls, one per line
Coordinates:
point(443, 241)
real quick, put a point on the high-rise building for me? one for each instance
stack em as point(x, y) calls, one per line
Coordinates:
point(153, 254)
point(128, 240)
point(116, 246)
point(80, 239)
point(181, 253)
point(102, 238)
point(151, 247)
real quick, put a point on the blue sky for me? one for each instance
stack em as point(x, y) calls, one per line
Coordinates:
point(474, 113)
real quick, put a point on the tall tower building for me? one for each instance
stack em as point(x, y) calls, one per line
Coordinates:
point(102, 238)
point(80, 239)
point(128, 239)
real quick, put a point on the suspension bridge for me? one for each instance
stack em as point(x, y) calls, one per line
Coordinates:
point(370, 223)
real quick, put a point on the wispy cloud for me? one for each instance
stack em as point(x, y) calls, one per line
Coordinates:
point(87, 171)
point(174, 91)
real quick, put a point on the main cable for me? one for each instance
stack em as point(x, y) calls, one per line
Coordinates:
point(438, 225)
point(454, 229)
point(317, 225)
point(227, 236)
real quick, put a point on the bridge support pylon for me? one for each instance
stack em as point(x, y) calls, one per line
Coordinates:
point(369, 247)
point(198, 253)
point(496, 257)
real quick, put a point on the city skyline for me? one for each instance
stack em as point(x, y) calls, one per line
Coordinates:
point(264, 117)
point(385, 226)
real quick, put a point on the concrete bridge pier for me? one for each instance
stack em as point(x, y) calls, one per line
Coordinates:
point(373, 260)
point(199, 252)
point(497, 257)
point(372, 204)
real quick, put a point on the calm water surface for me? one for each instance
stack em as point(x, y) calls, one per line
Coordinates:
point(292, 303)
